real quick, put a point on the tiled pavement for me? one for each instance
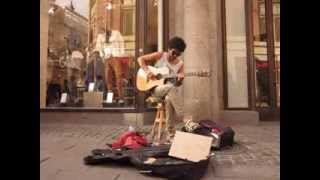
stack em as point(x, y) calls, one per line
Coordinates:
point(256, 154)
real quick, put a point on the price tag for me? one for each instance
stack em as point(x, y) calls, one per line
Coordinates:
point(63, 99)
point(91, 87)
point(109, 97)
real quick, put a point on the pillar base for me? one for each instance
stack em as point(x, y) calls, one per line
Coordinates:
point(245, 117)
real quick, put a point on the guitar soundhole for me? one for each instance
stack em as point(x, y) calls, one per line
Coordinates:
point(159, 76)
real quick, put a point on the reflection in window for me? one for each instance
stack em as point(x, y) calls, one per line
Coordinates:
point(128, 18)
point(152, 35)
point(276, 26)
point(92, 60)
point(260, 53)
point(152, 27)
point(263, 82)
point(65, 65)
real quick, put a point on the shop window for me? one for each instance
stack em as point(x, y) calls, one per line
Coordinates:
point(236, 54)
point(276, 22)
point(100, 74)
point(266, 58)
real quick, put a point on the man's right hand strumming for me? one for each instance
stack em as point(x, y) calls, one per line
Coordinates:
point(147, 59)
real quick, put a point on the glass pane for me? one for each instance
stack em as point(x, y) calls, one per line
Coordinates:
point(91, 53)
point(236, 54)
point(152, 27)
point(260, 53)
point(276, 26)
point(152, 34)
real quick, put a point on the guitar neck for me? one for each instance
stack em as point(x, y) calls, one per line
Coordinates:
point(191, 74)
point(185, 74)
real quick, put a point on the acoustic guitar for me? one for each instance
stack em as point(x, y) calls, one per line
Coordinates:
point(162, 77)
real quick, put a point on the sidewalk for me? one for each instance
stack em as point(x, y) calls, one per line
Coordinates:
point(256, 154)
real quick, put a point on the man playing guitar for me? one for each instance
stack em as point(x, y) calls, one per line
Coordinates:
point(168, 91)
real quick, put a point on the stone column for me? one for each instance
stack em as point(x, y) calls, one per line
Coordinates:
point(201, 42)
point(44, 28)
point(176, 18)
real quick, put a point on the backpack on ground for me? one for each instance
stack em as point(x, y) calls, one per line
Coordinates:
point(223, 135)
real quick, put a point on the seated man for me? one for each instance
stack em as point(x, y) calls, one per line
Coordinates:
point(169, 92)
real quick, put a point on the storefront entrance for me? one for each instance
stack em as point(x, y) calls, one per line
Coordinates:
point(251, 43)
point(264, 40)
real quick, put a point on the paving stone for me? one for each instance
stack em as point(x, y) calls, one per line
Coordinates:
point(63, 146)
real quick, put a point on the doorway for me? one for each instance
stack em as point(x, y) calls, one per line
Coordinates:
point(264, 32)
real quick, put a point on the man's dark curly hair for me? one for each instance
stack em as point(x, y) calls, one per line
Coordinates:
point(177, 43)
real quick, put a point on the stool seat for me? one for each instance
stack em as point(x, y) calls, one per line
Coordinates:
point(158, 120)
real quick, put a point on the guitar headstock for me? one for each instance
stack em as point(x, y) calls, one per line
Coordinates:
point(203, 73)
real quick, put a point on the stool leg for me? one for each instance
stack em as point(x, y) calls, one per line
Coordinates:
point(154, 125)
point(156, 121)
point(160, 124)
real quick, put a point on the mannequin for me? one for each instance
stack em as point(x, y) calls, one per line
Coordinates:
point(115, 56)
point(100, 42)
point(95, 68)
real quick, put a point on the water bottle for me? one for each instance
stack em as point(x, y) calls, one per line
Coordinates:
point(131, 128)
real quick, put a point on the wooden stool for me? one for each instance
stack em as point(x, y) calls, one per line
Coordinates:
point(159, 123)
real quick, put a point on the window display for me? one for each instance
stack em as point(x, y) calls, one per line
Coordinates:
point(91, 56)
point(276, 27)
point(152, 37)
point(260, 54)
point(267, 57)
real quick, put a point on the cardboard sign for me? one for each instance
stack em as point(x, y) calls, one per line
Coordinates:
point(63, 99)
point(192, 147)
point(91, 87)
point(109, 97)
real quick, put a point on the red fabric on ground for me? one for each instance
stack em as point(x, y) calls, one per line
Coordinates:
point(130, 140)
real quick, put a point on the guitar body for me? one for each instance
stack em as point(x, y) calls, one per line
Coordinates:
point(162, 76)
point(145, 84)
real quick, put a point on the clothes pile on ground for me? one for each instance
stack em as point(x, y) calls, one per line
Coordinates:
point(133, 148)
point(130, 140)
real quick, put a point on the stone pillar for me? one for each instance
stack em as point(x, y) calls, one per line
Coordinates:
point(201, 42)
point(44, 28)
point(176, 18)
point(216, 58)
